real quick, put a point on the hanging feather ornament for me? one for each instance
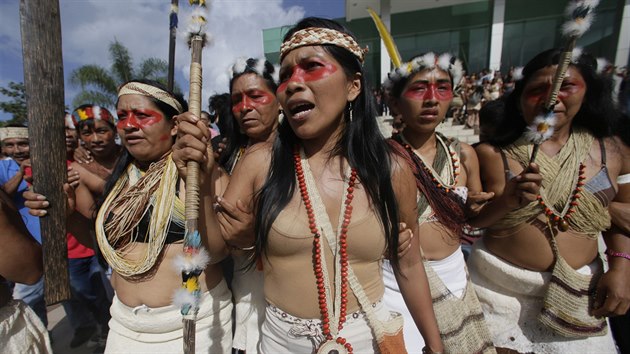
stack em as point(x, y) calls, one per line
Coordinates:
point(580, 16)
point(195, 258)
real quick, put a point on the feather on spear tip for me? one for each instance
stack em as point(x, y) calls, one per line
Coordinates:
point(580, 17)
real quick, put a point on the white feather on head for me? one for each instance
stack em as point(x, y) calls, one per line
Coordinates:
point(239, 66)
point(69, 121)
point(517, 73)
point(96, 112)
point(444, 61)
point(602, 64)
point(576, 54)
point(276, 74)
point(259, 67)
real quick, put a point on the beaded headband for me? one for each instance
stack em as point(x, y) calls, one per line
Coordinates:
point(319, 36)
point(138, 88)
point(239, 67)
point(430, 60)
point(13, 133)
point(92, 112)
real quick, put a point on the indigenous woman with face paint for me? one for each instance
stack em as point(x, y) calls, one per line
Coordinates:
point(327, 198)
point(255, 111)
point(446, 172)
point(537, 271)
point(140, 228)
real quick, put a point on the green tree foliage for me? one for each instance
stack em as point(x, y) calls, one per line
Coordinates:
point(16, 105)
point(99, 85)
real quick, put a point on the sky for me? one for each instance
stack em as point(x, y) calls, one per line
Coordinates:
point(89, 26)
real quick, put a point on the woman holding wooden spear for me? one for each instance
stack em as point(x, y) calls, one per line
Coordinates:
point(140, 230)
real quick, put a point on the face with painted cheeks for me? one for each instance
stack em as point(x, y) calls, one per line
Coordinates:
point(424, 100)
point(254, 106)
point(314, 91)
point(143, 129)
point(570, 97)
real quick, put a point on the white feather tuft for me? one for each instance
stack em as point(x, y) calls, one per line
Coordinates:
point(239, 66)
point(182, 297)
point(197, 22)
point(457, 72)
point(276, 74)
point(602, 64)
point(444, 61)
point(198, 261)
point(576, 28)
point(428, 60)
point(517, 73)
point(69, 121)
point(576, 54)
point(541, 129)
point(96, 112)
point(260, 66)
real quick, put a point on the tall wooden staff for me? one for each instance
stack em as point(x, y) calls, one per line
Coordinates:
point(172, 19)
point(196, 258)
point(43, 80)
point(580, 16)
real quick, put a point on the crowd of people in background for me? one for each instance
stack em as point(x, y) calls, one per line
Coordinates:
point(321, 234)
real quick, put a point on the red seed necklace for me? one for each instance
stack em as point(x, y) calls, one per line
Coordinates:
point(435, 176)
point(331, 345)
point(562, 219)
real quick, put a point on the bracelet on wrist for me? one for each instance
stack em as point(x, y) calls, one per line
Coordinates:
point(250, 248)
point(427, 350)
point(612, 253)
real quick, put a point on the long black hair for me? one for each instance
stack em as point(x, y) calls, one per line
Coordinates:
point(236, 138)
point(125, 158)
point(597, 114)
point(361, 143)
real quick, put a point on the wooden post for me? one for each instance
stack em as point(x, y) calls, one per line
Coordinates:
point(43, 79)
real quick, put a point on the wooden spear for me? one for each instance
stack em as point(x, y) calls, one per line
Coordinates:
point(195, 256)
point(580, 16)
point(43, 79)
point(171, 43)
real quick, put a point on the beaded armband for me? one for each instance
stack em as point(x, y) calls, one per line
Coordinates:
point(612, 253)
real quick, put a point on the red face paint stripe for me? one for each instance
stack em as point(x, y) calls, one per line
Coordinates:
point(250, 100)
point(440, 91)
point(307, 72)
point(138, 118)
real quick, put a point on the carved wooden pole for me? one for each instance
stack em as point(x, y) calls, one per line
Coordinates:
point(43, 79)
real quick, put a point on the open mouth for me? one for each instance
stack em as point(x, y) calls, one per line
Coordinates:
point(301, 110)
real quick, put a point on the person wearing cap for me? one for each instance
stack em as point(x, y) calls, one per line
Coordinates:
point(12, 179)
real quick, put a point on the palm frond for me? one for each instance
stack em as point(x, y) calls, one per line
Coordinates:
point(153, 68)
point(94, 76)
point(94, 97)
point(122, 65)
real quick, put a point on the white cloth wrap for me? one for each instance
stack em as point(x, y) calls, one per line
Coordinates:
point(249, 305)
point(623, 179)
point(160, 330)
point(21, 331)
point(512, 297)
point(451, 271)
point(283, 333)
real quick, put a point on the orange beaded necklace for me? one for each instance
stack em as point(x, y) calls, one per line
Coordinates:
point(339, 344)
